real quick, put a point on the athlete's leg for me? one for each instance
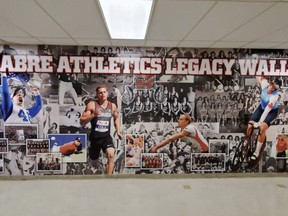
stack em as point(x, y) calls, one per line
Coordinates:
point(249, 128)
point(110, 153)
point(73, 94)
point(261, 138)
point(94, 153)
point(62, 89)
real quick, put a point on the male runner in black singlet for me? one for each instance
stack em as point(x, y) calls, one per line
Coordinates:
point(99, 114)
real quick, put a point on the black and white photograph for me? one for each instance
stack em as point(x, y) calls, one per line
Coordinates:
point(219, 146)
point(208, 162)
point(17, 163)
point(208, 129)
point(34, 146)
point(3, 145)
point(18, 133)
point(69, 119)
point(1, 163)
point(49, 162)
point(83, 169)
point(50, 119)
point(282, 118)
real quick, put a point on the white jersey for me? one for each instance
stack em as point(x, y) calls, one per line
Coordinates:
point(19, 115)
point(196, 135)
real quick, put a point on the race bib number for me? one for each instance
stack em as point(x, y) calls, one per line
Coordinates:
point(102, 126)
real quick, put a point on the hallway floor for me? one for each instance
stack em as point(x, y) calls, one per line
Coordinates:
point(232, 196)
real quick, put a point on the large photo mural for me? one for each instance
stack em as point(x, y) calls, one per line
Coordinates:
point(74, 110)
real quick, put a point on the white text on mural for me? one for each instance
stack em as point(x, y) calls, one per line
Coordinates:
point(142, 65)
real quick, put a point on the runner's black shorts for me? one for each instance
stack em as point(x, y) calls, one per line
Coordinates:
point(98, 144)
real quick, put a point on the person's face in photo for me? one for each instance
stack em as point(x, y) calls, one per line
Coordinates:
point(102, 94)
point(19, 98)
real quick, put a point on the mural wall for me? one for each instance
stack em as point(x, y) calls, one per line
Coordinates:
point(151, 88)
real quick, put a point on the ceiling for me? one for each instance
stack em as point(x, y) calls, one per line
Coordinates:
point(173, 23)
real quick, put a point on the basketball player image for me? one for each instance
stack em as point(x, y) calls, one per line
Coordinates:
point(99, 113)
point(12, 107)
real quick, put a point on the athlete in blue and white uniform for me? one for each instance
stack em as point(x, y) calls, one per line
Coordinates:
point(13, 111)
point(266, 112)
point(99, 113)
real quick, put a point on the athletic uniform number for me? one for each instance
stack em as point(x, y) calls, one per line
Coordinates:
point(23, 116)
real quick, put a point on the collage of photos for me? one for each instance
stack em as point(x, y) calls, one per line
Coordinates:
point(41, 118)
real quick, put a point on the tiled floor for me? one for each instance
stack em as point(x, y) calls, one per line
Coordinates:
point(213, 196)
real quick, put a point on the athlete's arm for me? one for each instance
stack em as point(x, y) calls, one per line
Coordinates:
point(262, 81)
point(6, 105)
point(88, 114)
point(169, 140)
point(269, 107)
point(33, 111)
point(116, 119)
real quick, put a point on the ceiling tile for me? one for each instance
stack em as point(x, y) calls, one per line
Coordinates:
point(57, 41)
point(258, 45)
point(277, 36)
point(173, 20)
point(196, 44)
point(81, 19)
point(128, 43)
point(224, 18)
point(21, 40)
point(2, 42)
point(174, 23)
point(93, 42)
point(8, 29)
point(27, 15)
point(282, 46)
point(228, 44)
point(271, 20)
point(161, 43)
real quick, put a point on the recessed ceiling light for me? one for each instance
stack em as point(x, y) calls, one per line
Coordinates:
point(126, 19)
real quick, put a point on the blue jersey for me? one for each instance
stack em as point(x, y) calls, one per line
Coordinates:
point(265, 97)
point(13, 113)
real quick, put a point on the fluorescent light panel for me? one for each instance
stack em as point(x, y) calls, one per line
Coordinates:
point(126, 19)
